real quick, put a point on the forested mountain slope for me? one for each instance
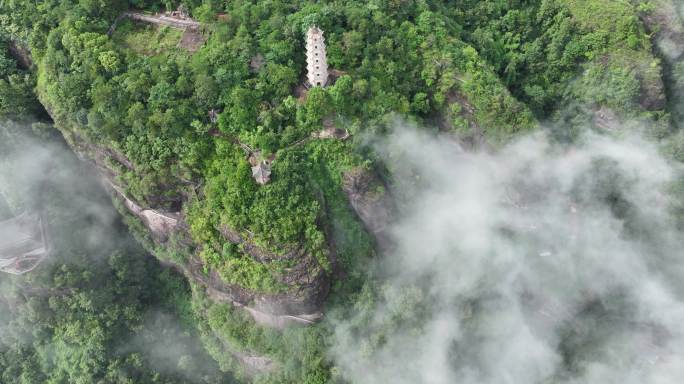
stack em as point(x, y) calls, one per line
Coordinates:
point(172, 130)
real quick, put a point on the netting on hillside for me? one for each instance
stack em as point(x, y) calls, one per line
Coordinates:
point(23, 244)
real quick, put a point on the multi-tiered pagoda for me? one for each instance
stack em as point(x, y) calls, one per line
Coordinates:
point(316, 61)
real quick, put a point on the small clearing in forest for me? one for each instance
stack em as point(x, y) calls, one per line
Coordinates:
point(146, 39)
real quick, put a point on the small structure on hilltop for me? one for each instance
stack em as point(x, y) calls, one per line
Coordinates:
point(180, 13)
point(316, 60)
point(331, 133)
point(257, 62)
point(262, 172)
point(261, 166)
point(213, 116)
point(23, 244)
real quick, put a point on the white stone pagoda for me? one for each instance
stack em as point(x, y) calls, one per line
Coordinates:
point(316, 61)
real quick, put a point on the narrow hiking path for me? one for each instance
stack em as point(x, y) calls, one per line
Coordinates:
point(160, 19)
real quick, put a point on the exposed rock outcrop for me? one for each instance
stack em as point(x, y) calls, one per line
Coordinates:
point(21, 55)
point(370, 200)
point(161, 224)
point(467, 132)
point(652, 95)
point(666, 23)
point(272, 310)
point(605, 118)
point(255, 364)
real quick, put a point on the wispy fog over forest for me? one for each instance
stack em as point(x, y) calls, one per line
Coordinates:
point(343, 192)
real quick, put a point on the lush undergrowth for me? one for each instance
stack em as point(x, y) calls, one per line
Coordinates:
point(485, 70)
point(145, 39)
point(550, 52)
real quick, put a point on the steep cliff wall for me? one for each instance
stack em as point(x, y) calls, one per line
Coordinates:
point(164, 231)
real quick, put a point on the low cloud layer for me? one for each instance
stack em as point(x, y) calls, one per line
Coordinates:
point(44, 177)
point(538, 264)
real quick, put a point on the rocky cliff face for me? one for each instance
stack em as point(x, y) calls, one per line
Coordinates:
point(301, 304)
point(370, 200)
point(666, 22)
point(21, 55)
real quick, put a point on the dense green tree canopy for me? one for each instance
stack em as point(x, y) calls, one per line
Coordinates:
point(179, 130)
